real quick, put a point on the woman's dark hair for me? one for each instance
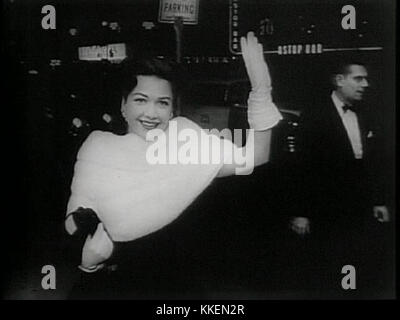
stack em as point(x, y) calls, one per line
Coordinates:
point(163, 69)
point(126, 77)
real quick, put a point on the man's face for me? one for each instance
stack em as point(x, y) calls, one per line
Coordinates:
point(352, 86)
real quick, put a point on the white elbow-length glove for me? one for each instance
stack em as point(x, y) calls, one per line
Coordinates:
point(262, 112)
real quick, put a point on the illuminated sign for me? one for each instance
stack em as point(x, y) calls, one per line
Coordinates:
point(294, 49)
point(188, 10)
point(111, 52)
point(304, 27)
point(208, 59)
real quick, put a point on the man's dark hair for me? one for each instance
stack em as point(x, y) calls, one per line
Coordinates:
point(342, 67)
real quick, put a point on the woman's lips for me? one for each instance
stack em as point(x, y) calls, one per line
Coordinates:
point(149, 125)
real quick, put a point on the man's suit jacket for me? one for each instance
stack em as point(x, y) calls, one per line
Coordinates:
point(330, 179)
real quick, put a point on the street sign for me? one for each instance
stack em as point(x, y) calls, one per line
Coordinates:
point(304, 27)
point(188, 10)
point(112, 52)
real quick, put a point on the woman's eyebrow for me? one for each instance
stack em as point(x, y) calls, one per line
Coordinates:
point(140, 94)
point(165, 98)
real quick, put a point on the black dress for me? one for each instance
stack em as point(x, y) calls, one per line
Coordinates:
point(167, 264)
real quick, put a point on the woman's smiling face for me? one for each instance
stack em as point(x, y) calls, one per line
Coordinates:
point(148, 106)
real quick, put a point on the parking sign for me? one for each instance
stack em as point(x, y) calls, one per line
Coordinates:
point(188, 10)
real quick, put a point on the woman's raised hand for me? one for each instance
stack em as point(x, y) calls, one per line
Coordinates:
point(257, 68)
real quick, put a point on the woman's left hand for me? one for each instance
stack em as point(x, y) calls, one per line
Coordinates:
point(97, 249)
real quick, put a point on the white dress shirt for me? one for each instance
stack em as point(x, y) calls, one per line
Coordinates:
point(350, 122)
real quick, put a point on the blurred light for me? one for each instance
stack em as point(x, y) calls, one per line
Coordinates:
point(312, 26)
point(33, 72)
point(76, 122)
point(115, 26)
point(48, 113)
point(104, 23)
point(73, 31)
point(55, 62)
point(148, 25)
point(365, 22)
point(309, 31)
point(73, 96)
point(107, 118)
point(360, 35)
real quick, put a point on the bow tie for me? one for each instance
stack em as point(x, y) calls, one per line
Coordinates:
point(347, 107)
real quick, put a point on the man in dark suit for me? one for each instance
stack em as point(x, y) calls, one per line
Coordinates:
point(341, 199)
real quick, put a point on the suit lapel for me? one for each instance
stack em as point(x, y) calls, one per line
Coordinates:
point(339, 131)
point(363, 130)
